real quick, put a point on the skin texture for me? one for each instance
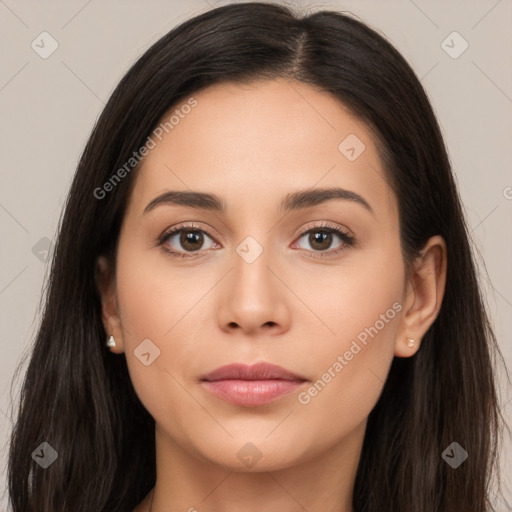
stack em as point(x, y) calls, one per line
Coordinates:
point(252, 145)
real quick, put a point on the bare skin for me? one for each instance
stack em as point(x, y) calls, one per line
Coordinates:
point(291, 306)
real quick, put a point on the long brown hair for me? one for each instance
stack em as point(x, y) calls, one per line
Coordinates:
point(79, 398)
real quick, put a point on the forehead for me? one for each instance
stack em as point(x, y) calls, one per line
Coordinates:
point(268, 138)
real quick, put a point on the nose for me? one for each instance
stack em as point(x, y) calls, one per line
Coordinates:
point(254, 299)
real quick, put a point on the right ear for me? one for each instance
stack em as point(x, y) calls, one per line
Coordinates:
point(106, 283)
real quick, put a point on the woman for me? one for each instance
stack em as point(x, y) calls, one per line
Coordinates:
point(262, 296)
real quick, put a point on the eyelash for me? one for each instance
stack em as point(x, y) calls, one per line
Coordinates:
point(348, 240)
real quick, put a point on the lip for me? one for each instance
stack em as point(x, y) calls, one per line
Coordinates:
point(251, 385)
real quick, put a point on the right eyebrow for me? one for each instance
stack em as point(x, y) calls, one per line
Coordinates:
point(192, 199)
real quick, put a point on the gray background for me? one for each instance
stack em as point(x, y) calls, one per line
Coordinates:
point(48, 107)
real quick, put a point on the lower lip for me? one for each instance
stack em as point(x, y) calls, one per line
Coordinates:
point(251, 393)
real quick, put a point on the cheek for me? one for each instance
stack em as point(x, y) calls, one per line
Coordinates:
point(362, 310)
point(148, 308)
point(350, 376)
point(160, 303)
point(351, 297)
point(153, 294)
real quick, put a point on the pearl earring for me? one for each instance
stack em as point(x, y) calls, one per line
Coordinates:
point(410, 342)
point(111, 342)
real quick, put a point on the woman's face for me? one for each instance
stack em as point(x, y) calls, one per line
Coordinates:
point(265, 278)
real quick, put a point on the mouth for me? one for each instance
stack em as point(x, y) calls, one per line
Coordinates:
point(251, 385)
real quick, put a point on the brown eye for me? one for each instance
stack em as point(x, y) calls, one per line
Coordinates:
point(183, 239)
point(325, 241)
point(191, 240)
point(320, 240)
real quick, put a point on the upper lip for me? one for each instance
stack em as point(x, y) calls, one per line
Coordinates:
point(258, 371)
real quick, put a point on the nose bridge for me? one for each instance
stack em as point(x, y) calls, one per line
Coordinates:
point(251, 274)
point(253, 298)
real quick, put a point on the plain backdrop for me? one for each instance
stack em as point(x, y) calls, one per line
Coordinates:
point(49, 103)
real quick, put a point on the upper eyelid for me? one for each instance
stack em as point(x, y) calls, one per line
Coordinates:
point(323, 225)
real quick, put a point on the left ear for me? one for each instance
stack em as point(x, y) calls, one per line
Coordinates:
point(423, 296)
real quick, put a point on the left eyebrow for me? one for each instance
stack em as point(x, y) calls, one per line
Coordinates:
point(313, 197)
point(293, 201)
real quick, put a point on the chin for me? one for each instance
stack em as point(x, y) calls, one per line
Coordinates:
point(256, 456)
